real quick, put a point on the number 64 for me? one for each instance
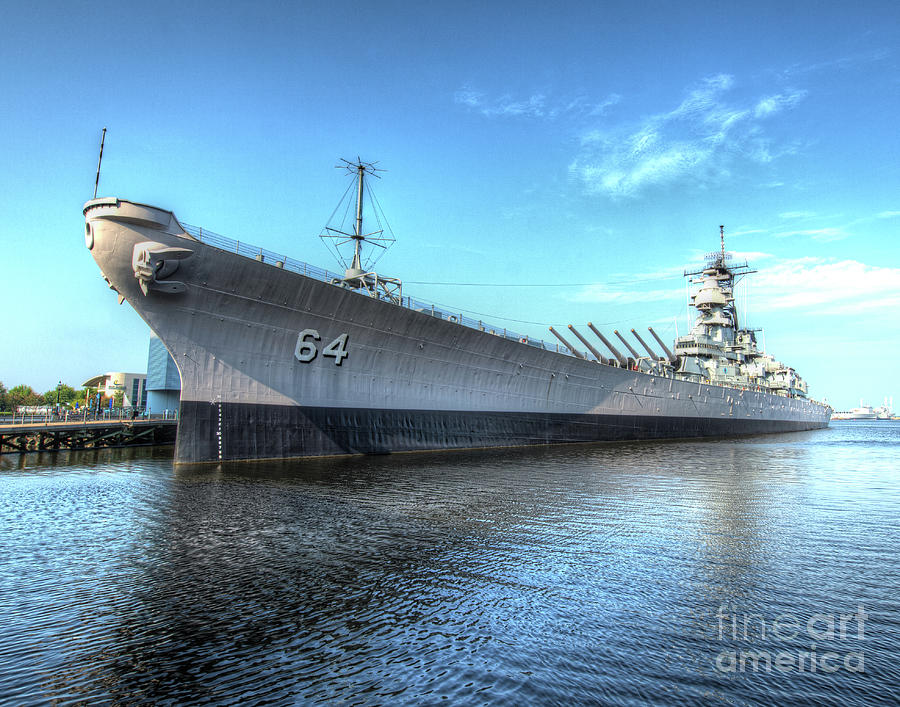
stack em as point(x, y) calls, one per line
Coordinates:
point(306, 350)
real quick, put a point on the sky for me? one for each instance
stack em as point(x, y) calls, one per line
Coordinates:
point(561, 164)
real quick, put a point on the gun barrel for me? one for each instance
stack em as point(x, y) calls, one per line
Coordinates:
point(566, 343)
point(672, 357)
point(600, 357)
point(644, 344)
point(627, 345)
point(615, 352)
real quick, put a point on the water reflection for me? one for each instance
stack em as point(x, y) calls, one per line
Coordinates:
point(575, 574)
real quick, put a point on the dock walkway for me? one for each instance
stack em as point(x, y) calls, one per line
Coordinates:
point(84, 434)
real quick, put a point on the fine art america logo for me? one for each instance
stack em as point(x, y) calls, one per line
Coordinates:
point(818, 643)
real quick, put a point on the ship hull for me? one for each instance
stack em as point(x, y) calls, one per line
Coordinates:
point(276, 364)
point(246, 431)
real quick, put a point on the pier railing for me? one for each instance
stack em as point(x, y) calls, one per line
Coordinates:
point(282, 261)
point(82, 415)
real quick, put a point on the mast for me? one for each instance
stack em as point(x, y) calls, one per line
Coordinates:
point(358, 236)
point(359, 273)
point(99, 162)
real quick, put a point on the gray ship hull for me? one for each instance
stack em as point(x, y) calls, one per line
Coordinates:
point(395, 379)
point(271, 431)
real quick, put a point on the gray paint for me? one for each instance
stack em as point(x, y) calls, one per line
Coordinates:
point(231, 324)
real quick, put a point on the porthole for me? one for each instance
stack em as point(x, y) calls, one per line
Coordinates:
point(89, 236)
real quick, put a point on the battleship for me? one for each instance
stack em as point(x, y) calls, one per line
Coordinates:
point(281, 359)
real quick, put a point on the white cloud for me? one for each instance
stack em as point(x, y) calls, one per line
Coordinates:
point(468, 97)
point(601, 108)
point(696, 141)
point(615, 294)
point(818, 234)
point(774, 104)
point(889, 214)
point(537, 105)
point(811, 286)
point(825, 286)
point(533, 106)
point(745, 232)
point(796, 214)
point(843, 62)
point(750, 256)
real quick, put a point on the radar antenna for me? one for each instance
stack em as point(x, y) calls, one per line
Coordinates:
point(341, 233)
point(725, 274)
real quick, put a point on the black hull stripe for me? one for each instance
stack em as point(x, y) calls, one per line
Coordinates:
point(231, 431)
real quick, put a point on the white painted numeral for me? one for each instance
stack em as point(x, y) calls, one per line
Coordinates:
point(337, 349)
point(306, 351)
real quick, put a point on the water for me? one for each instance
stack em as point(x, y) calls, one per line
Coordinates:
point(587, 574)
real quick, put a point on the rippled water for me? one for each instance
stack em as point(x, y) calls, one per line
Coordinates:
point(593, 574)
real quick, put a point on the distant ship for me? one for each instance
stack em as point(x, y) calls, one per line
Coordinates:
point(281, 359)
point(866, 412)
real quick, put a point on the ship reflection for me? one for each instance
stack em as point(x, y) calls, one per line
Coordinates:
point(338, 571)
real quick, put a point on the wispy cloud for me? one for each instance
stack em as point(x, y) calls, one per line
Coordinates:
point(826, 286)
point(750, 255)
point(796, 214)
point(617, 294)
point(823, 227)
point(819, 234)
point(607, 103)
point(537, 105)
point(811, 286)
point(775, 104)
point(697, 140)
point(848, 61)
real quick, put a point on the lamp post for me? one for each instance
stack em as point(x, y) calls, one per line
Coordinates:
point(58, 387)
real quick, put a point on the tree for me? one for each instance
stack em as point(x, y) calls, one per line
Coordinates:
point(67, 395)
point(4, 398)
point(23, 395)
point(118, 398)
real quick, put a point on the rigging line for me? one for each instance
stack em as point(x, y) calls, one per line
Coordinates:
point(374, 204)
point(540, 284)
point(448, 309)
point(349, 199)
point(379, 217)
point(385, 227)
point(378, 210)
point(329, 239)
point(340, 203)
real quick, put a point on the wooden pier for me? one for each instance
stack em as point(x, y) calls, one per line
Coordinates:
point(89, 434)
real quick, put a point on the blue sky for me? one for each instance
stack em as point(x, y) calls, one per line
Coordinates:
point(596, 144)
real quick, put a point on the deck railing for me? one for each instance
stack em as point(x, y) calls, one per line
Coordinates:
point(277, 260)
point(282, 261)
